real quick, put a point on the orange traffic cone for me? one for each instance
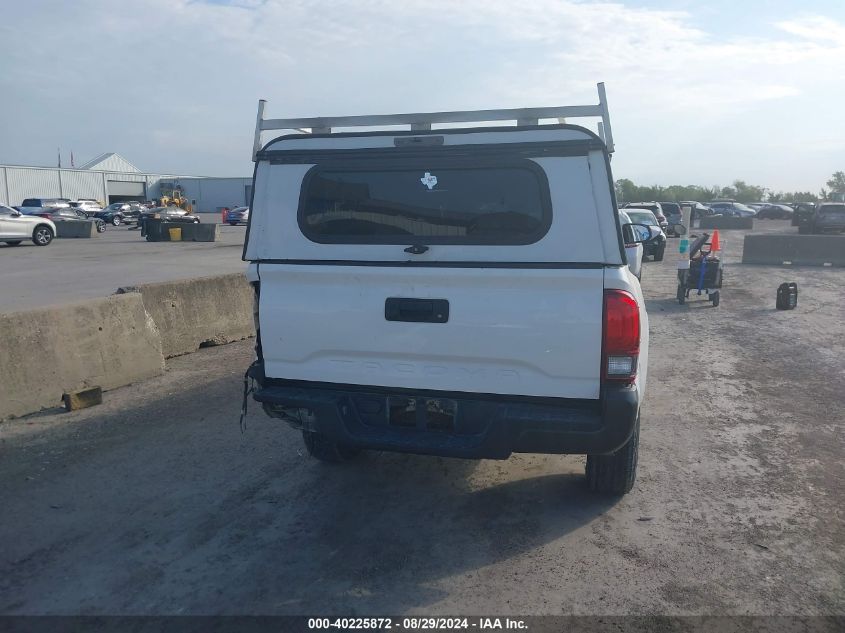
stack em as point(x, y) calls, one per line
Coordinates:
point(714, 242)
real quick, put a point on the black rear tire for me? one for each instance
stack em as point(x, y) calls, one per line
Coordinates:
point(327, 450)
point(615, 473)
point(116, 220)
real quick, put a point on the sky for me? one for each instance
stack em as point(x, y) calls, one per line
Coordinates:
point(699, 92)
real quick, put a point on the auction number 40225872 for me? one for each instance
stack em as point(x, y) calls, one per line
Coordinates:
point(417, 624)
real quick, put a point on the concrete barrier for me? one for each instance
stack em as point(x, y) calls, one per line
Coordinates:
point(725, 222)
point(107, 342)
point(799, 250)
point(191, 232)
point(193, 313)
point(200, 232)
point(117, 340)
point(82, 228)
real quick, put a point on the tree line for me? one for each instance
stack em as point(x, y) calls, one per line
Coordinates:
point(741, 191)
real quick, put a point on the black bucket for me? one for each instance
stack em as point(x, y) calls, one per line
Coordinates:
point(787, 296)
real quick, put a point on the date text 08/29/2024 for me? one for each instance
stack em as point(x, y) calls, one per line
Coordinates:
point(418, 624)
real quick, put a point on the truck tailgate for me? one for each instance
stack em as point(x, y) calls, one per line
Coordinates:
point(509, 330)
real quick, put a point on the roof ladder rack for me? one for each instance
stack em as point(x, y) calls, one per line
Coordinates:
point(423, 121)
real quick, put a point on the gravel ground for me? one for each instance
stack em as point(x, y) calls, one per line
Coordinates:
point(155, 503)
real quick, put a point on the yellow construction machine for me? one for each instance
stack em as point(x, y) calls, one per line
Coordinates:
point(172, 196)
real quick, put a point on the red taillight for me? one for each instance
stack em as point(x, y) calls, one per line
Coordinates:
point(44, 215)
point(621, 336)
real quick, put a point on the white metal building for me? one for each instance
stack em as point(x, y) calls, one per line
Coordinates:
point(111, 178)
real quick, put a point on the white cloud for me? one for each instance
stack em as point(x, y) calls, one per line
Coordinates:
point(173, 85)
point(815, 28)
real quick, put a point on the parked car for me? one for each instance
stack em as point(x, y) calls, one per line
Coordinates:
point(69, 214)
point(699, 210)
point(238, 215)
point(829, 217)
point(774, 211)
point(467, 299)
point(88, 206)
point(119, 212)
point(633, 245)
point(15, 227)
point(655, 208)
point(734, 209)
point(672, 211)
point(170, 214)
point(179, 215)
point(655, 245)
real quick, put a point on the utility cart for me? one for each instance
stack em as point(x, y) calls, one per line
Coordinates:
point(704, 274)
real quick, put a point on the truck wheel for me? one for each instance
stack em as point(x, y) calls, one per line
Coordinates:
point(615, 473)
point(42, 235)
point(658, 256)
point(101, 227)
point(321, 447)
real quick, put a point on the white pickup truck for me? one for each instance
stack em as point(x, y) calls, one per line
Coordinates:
point(455, 292)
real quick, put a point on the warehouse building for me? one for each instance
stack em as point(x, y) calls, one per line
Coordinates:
point(111, 178)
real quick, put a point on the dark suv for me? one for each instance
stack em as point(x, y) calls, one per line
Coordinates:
point(119, 212)
point(829, 217)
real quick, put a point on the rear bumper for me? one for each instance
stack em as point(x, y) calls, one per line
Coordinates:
point(829, 225)
point(485, 426)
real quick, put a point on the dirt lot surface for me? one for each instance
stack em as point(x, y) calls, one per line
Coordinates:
point(155, 503)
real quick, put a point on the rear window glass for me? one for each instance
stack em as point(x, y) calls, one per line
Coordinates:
point(429, 204)
point(643, 217)
point(831, 208)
